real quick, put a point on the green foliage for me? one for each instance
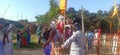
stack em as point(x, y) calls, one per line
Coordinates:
point(95, 20)
point(54, 8)
point(91, 20)
point(52, 13)
point(71, 13)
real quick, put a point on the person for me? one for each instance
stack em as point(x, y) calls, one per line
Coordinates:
point(90, 36)
point(68, 27)
point(53, 37)
point(1, 39)
point(45, 34)
point(18, 39)
point(38, 33)
point(60, 26)
point(67, 32)
point(28, 35)
point(99, 37)
point(24, 38)
point(77, 42)
point(47, 49)
point(95, 37)
point(8, 46)
point(97, 40)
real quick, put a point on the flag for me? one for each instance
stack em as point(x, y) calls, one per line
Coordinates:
point(62, 4)
point(115, 9)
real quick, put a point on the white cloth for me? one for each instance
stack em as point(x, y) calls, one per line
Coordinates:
point(8, 48)
point(53, 24)
point(60, 18)
point(115, 45)
point(10, 26)
point(96, 39)
point(77, 41)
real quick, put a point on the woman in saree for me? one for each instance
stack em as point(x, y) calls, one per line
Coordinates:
point(24, 38)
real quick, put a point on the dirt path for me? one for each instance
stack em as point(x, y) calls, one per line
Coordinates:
point(28, 52)
point(39, 52)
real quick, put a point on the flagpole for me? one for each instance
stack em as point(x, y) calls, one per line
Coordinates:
point(65, 12)
point(63, 6)
point(82, 19)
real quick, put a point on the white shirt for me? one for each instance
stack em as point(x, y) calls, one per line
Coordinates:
point(77, 42)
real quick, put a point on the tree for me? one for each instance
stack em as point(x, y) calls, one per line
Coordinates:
point(91, 20)
point(54, 9)
point(71, 12)
point(50, 15)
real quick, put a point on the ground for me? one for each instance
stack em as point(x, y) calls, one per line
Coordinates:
point(36, 49)
point(28, 52)
point(33, 49)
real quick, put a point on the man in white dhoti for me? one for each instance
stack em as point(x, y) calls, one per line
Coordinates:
point(8, 47)
point(77, 42)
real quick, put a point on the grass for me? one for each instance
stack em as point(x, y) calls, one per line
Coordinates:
point(33, 45)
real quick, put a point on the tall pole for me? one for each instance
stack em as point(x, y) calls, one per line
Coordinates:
point(65, 18)
point(65, 12)
point(118, 28)
point(82, 19)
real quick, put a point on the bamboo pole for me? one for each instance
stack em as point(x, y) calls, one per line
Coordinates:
point(82, 19)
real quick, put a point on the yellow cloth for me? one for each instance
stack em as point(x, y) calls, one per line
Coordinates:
point(53, 52)
point(115, 10)
point(62, 4)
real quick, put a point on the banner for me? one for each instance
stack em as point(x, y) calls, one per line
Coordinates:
point(63, 4)
point(115, 12)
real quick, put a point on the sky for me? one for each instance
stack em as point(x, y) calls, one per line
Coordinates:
point(28, 9)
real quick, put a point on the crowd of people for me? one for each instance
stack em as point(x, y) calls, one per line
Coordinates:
point(59, 36)
point(6, 34)
point(23, 37)
point(66, 35)
point(70, 36)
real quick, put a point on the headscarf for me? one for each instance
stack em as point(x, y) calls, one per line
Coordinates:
point(10, 26)
point(53, 25)
point(60, 18)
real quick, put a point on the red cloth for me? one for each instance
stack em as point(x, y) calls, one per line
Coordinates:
point(60, 27)
point(99, 33)
point(24, 42)
point(118, 32)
